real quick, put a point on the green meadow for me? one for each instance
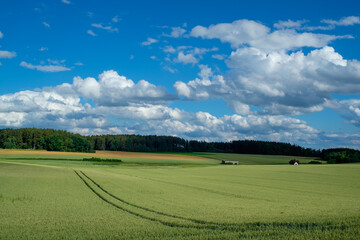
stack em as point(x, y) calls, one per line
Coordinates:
point(63, 197)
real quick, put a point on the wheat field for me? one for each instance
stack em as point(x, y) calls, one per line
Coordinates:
point(48, 199)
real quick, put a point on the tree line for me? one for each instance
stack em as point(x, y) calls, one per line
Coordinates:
point(44, 139)
point(153, 143)
point(340, 155)
point(60, 140)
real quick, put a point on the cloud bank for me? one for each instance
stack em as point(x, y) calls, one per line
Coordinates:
point(114, 95)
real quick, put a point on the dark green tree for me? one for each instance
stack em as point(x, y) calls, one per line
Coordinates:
point(55, 143)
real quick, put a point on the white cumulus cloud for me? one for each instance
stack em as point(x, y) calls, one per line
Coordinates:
point(114, 90)
point(177, 32)
point(247, 32)
point(12, 119)
point(277, 82)
point(237, 33)
point(186, 58)
point(119, 98)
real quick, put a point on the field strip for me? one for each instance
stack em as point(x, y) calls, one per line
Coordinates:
point(106, 154)
point(202, 189)
point(30, 164)
point(144, 208)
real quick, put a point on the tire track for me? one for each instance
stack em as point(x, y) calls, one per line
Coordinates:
point(144, 208)
point(239, 228)
point(169, 224)
point(196, 221)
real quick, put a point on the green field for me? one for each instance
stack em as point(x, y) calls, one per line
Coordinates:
point(63, 197)
point(253, 159)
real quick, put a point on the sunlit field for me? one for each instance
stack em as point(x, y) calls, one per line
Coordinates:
point(254, 159)
point(59, 196)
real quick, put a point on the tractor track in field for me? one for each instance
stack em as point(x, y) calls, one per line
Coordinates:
point(233, 227)
point(144, 208)
point(203, 225)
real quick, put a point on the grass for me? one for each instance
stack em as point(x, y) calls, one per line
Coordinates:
point(125, 161)
point(248, 159)
point(50, 199)
point(185, 153)
point(253, 159)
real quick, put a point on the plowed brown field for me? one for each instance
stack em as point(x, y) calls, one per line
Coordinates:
point(106, 154)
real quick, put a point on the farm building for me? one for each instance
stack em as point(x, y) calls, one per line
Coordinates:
point(228, 162)
point(294, 162)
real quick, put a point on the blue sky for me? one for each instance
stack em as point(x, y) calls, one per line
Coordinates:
point(209, 70)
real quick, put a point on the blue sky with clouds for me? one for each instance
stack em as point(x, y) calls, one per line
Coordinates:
point(210, 70)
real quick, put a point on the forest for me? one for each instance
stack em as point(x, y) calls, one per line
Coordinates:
point(47, 139)
point(60, 140)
